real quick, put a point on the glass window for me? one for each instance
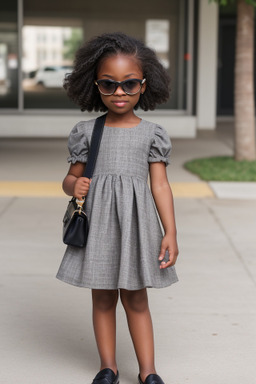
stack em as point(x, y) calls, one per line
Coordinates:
point(8, 54)
point(48, 53)
point(53, 30)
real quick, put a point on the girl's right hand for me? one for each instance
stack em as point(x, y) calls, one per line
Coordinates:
point(81, 187)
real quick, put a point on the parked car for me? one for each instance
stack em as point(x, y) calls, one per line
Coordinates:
point(52, 76)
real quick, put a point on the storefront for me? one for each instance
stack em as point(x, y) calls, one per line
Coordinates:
point(38, 41)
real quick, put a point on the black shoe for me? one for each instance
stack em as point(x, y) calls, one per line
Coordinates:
point(106, 376)
point(153, 378)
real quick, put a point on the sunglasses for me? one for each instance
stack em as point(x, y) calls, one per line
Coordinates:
point(130, 87)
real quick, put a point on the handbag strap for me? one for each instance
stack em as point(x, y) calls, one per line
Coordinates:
point(94, 146)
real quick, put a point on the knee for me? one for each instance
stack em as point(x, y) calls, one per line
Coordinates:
point(136, 301)
point(104, 300)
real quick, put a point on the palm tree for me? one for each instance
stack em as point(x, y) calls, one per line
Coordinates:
point(244, 80)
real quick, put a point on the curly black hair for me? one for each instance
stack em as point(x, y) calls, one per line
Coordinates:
point(80, 86)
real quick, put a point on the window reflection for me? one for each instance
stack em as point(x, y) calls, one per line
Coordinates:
point(48, 54)
point(53, 30)
point(8, 55)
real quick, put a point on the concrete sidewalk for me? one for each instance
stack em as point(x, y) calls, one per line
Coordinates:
point(204, 325)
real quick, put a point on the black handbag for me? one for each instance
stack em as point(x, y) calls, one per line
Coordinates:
point(75, 221)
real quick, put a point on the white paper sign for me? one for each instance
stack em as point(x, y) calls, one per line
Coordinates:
point(157, 35)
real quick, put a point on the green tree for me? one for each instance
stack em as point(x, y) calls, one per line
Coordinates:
point(244, 79)
point(72, 44)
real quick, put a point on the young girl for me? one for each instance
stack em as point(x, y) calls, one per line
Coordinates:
point(126, 251)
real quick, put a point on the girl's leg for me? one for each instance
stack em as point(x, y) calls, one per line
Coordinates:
point(140, 325)
point(104, 322)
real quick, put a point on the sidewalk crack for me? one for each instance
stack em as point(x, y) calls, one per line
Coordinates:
point(231, 243)
point(8, 205)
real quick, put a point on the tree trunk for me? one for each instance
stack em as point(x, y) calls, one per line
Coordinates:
point(244, 83)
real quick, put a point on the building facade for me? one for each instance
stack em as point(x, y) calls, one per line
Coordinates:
point(37, 45)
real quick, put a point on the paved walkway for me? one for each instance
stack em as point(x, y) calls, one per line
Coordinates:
point(204, 325)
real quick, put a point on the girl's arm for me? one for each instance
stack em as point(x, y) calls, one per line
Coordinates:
point(163, 198)
point(74, 184)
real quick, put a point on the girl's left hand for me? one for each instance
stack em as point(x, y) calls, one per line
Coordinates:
point(169, 243)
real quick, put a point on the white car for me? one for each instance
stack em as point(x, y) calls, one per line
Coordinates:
point(52, 76)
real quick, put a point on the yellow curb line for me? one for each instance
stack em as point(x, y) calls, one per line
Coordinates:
point(31, 189)
point(54, 189)
point(192, 190)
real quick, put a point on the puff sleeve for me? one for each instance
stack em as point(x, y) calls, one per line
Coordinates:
point(161, 147)
point(78, 144)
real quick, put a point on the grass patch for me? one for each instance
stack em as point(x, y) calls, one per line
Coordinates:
point(222, 168)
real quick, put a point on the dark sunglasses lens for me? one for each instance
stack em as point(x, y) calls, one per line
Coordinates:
point(107, 87)
point(131, 86)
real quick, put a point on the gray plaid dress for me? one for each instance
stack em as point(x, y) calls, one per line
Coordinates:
point(125, 233)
